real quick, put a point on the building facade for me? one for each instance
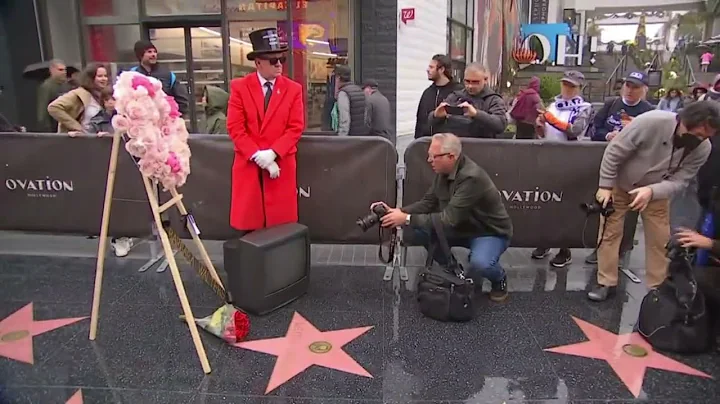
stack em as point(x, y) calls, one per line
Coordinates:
point(205, 43)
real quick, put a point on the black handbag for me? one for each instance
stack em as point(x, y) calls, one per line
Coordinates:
point(672, 316)
point(445, 294)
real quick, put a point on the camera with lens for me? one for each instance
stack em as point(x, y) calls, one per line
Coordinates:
point(373, 218)
point(596, 207)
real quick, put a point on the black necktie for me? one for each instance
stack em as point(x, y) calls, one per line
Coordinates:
point(268, 94)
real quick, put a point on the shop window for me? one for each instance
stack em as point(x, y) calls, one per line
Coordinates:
point(321, 39)
point(112, 44)
point(460, 24)
point(108, 8)
point(188, 7)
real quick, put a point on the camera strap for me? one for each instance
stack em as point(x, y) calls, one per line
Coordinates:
point(453, 265)
point(391, 247)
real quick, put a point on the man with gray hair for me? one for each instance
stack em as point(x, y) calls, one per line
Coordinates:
point(470, 208)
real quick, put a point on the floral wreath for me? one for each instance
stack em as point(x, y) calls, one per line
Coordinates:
point(156, 133)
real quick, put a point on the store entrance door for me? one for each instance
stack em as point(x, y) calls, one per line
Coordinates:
point(194, 52)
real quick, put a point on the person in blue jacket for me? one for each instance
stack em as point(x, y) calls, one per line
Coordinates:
point(619, 111)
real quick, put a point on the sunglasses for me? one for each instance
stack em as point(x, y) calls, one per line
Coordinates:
point(274, 61)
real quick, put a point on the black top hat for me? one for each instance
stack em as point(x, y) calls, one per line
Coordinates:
point(265, 40)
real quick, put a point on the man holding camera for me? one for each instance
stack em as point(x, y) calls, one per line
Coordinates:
point(476, 111)
point(471, 211)
point(656, 156)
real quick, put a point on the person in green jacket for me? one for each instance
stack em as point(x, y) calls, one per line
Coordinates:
point(48, 91)
point(216, 104)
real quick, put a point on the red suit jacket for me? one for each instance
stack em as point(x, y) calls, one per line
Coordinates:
point(257, 200)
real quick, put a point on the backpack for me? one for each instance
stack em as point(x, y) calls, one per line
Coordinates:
point(590, 130)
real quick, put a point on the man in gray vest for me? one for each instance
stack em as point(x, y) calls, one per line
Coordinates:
point(351, 105)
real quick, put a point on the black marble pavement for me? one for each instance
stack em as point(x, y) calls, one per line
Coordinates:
point(144, 354)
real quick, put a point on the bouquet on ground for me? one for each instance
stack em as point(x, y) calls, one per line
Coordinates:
point(156, 131)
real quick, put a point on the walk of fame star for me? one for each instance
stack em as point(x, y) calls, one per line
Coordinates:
point(304, 346)
point(17, 330)
point(627, 354)
point(77, 398)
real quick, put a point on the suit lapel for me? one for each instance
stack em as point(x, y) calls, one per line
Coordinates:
point(257, 95)
point(279, 91)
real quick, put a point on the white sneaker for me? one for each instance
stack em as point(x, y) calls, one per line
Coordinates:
point(122, 246)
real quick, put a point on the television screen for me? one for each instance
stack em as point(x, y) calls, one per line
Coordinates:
point(286, 263)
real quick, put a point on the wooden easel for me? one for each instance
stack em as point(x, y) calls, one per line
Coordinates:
point(167, 248)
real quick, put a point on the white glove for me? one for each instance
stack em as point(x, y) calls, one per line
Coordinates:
point(264, 158)
point(274, 170)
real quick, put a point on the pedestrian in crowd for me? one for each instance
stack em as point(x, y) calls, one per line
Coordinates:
point(483, 110)
point(673, 100)
point(705, 60)
point(566, 119)
point(617, 112)
point(713, 92)
point(48, 91)
point(351, 104)
point(525, 109)
point(147, 56)
point(215, 100)
point(655, 157)
point(697, 92)
point(378, 112)
point(74, 110)
point(471, 212)
point(439, 71)
point(101, 123)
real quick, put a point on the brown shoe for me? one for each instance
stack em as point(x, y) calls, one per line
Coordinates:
point(498, 291)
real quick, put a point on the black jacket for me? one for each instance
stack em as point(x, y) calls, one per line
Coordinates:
point(171, 85)
point(468, 202)
point(430, 99)
point(489, 122)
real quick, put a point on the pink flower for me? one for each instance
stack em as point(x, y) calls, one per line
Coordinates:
point(138, 110)
point(174, 108)
point(173, 162)
point(142, 81)
point(120, 123)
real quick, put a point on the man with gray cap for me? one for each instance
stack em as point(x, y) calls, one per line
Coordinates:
point(351, 104)
point(565, 119)
point(377, 111)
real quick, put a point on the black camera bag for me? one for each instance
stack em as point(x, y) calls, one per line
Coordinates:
point(672, 316)
point(445, 294)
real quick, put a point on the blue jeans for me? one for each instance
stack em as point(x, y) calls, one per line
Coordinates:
point(485, 252)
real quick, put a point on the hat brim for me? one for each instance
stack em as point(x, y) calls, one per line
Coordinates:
point(635, 81)
point(254, 54)
point(571, 81)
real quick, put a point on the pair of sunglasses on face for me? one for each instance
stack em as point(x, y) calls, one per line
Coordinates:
point(275, 60)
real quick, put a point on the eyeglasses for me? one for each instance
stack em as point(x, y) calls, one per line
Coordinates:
point(274, 61)
point(435, 156)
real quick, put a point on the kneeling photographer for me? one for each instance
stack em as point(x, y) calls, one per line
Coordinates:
point(656, 156)
point(471, 212)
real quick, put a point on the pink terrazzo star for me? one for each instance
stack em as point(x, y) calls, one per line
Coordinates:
point(304, 346)
point(17, 330)
point(77, 398)
point(610, 347)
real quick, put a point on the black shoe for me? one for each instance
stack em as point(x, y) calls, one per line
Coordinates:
point(540, 253)
point(600, 293)
point(562, 258)
point(592, 258)
point(498, 290)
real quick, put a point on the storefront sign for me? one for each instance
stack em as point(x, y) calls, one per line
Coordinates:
point(407, 14)
point(242, 6)
point(539, 11)
point(548, 35)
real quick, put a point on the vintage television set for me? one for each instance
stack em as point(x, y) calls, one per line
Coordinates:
point(269, 268)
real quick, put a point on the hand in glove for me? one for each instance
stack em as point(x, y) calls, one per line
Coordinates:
point(264, 158)
point(274, 170)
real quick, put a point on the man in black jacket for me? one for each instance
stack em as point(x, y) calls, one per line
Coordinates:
point(147, 55)
point(443, 85)
point(470, 208)
point(483, 110)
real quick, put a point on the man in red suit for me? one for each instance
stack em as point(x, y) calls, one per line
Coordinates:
point(265, 121)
